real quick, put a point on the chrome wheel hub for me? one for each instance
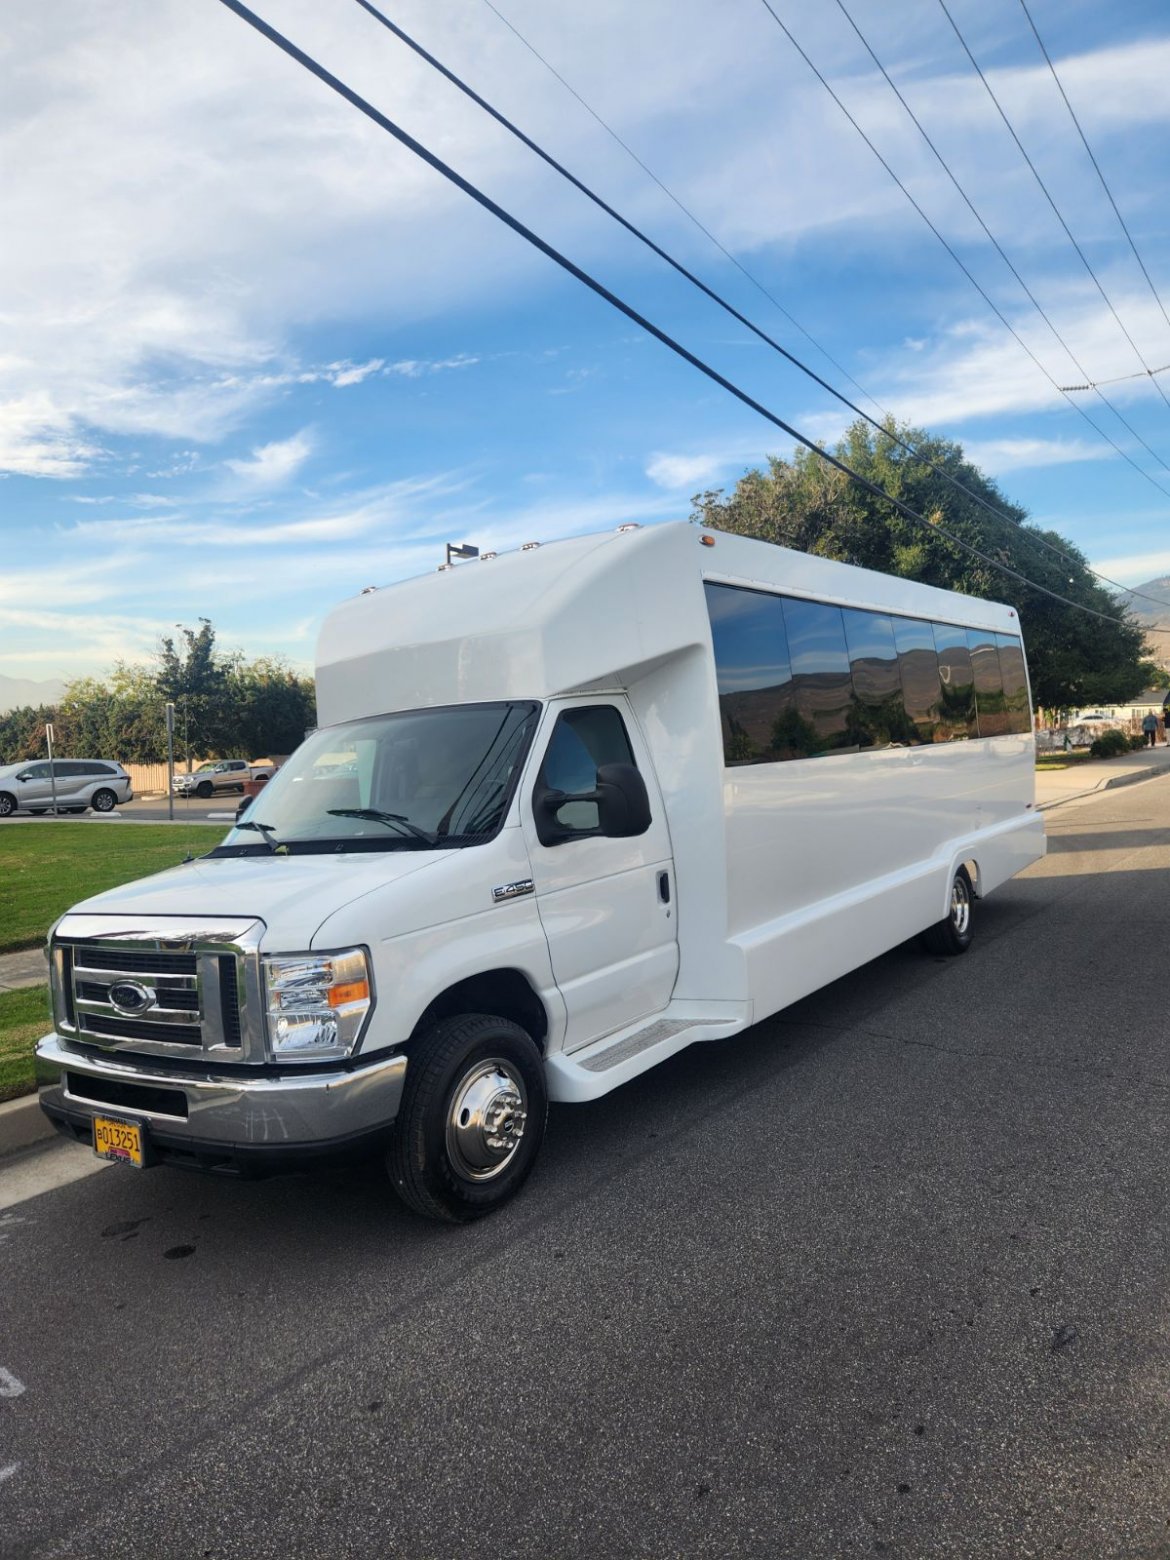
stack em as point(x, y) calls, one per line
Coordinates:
point(485, 1121)
point(960, 906)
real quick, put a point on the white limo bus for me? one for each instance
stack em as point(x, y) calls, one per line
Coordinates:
point(569, 810)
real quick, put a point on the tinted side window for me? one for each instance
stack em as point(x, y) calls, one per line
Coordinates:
point(752, 670)
point(918, 668)
point(989, 700)
point(1015, 682)
point(582, 741)
point(70, 768)
point(877, 715)
point(957, 716)
point(35, 772)
point(821, 684)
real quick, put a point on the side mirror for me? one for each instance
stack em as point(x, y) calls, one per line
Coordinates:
point(623, 805)
point(24, 777)
point(623, 808)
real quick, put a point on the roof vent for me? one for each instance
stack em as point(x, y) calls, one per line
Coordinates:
point(529, 546)
point(443, 568)
point(484, 556)
point(368, 590)
point(630, 525)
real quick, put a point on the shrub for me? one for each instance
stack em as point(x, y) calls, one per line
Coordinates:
point(1137, 741)
point(1110, 743)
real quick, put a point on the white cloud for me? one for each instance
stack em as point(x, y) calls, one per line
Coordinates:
point(167, 302)
point(683, 471)
point(272, 464)
point(1135, 568)
point(996, 456)
point(353, 373)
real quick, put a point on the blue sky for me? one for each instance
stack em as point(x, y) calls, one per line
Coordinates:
point(256, 357)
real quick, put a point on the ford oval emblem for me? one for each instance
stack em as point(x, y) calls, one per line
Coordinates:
point(129, 997)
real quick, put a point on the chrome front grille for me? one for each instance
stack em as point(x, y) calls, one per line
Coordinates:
point(168, 987)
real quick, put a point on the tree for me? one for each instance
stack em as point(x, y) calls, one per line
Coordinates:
point(224, 707)
point(195, 682)
point(1074, 658)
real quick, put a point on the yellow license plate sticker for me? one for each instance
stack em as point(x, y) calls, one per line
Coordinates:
point(121, 1140)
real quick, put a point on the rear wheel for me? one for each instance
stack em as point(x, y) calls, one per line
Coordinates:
point(7, 804)
point(952, 934)
point(103, 801)
point(472, 1118)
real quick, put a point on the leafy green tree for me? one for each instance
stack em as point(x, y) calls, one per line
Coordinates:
point(1074, 658)
point(194, 680)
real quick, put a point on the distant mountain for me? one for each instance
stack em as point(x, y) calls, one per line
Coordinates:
point(16, 692)
point(1147, 611)
point(1155, 619)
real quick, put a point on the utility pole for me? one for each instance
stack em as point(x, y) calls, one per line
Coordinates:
point(170, 761)
point(52, 771)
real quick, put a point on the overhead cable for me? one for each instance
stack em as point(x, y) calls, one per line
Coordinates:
point(1056, 211)
point(686, 211)
point(533, 146)
point(1096, 167)
point(978, 286)
point(425, 155)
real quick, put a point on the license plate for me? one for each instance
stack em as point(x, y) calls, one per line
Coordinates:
point(121, 1140)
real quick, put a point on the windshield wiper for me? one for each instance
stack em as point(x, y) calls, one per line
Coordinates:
point(394, 820)
point(266, 831)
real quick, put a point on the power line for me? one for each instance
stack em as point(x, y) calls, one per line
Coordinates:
point(1096, 166)
point(484, 200)
point(1056, 211)
point(501, 119)
point(978, 286)
point(686, 211)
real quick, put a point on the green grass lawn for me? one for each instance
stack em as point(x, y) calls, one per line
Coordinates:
point(24, 1017)
point(45, 869)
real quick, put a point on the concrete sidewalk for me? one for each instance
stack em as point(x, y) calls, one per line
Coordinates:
point(1056, 786)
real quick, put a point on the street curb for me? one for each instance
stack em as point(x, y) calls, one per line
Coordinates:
point(23, 1123)
point(1112, 783)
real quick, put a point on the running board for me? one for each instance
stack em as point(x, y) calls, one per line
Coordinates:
point(597, 1068)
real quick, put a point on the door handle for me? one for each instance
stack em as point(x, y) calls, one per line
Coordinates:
point(664, 887)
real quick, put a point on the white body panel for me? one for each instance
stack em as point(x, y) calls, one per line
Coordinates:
point(782, 875)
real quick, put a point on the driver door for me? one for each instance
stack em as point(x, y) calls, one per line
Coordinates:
point(607, 905)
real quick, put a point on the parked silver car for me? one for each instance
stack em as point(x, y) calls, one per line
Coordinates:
point(80, 783)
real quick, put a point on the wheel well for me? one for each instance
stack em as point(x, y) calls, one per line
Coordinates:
point(506, 993)
point(972, 867)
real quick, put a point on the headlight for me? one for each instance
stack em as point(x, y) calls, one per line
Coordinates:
point(317, 1004)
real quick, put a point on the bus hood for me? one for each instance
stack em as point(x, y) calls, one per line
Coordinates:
point(293, 895)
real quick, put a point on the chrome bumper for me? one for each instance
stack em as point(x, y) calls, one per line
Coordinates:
point(226, 1109)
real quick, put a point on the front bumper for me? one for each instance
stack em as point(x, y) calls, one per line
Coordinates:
point(226, 1119)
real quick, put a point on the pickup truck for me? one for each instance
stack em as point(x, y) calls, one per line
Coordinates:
point(225, 774)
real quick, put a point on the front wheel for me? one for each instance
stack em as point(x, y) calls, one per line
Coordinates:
point(204, 788)
point(103, 801)
point(472, 1118)
point(7, 805)
point(952, 934)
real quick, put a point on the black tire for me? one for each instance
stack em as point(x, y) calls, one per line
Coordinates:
point(204, 789)
point(952, 934)
point(38, 812)
point(103, 801)
point(7, 805)
point(448, 1163)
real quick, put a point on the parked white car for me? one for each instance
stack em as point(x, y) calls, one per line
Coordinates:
point(80, 783)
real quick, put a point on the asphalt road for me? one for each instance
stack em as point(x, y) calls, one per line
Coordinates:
point(887, 1275)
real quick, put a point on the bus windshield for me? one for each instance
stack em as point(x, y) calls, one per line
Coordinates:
point(428, 779)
